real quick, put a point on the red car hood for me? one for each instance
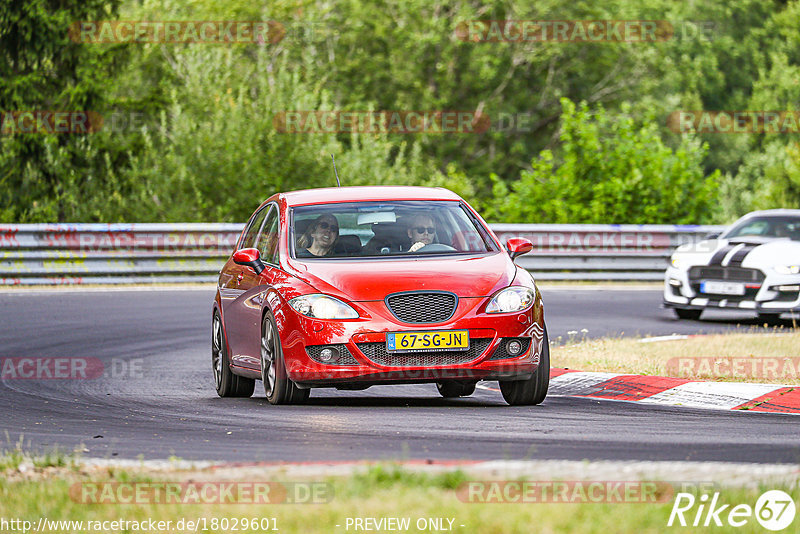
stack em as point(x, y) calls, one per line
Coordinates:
point(468, 276)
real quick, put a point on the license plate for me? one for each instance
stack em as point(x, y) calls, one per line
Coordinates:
point(427, 341)
point(722, 288)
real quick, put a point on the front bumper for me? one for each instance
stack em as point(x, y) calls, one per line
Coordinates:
point(764, 296)
point(364, 339)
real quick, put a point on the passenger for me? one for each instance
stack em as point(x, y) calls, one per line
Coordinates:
point(320, 237)
point(421, 231)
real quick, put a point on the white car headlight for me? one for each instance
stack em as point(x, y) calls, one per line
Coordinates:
point(511, 299)
point(787, 269)
point(322, 307)
point(676, 262)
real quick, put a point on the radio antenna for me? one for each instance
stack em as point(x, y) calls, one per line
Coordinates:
point(335, 171)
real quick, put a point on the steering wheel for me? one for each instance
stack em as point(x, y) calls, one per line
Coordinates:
point(436, 247)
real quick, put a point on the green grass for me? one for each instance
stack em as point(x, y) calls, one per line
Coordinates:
point(390, 475)
point(13, 455)
point(629, 355)
point(379, 492)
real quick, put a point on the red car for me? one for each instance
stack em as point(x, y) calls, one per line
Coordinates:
point(357, 286)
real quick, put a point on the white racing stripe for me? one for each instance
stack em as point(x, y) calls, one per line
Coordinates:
point(727, 259)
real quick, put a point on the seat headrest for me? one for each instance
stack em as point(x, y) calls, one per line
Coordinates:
point(347, 244)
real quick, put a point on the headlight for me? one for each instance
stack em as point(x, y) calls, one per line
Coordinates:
point(676, 262)
point(787, 269)
point(322, 307)
point(511, 299)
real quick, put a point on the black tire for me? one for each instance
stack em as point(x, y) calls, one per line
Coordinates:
point(534, 390)
point(227, 384)
point(277, 386)
point(454, 388)
point(692, 315)
point(769, 318)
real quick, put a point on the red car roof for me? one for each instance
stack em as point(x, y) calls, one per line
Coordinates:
point(365, 193)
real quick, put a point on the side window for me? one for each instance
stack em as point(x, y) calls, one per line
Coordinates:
point(252, 229)
point(268, 240)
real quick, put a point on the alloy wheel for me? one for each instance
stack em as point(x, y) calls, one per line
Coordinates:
point(216, 351)
point(268, 357)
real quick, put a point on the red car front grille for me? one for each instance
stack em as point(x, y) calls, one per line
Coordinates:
point(377, 353)
point(422, 307)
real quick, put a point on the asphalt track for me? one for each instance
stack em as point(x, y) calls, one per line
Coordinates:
point(156, 399)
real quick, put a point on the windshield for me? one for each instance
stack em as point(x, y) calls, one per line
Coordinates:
point(784, 226)
point(389, 228)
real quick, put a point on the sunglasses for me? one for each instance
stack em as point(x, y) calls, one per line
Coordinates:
point(425, 229)
point(325, 226)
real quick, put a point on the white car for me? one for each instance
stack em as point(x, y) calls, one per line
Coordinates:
point(754, 265)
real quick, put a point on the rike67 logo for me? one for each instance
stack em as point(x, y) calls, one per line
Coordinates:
point(774, 510)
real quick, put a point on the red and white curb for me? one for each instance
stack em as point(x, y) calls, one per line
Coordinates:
point(676, 391)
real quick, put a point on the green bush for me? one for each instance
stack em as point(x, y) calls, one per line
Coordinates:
point(611, 170)
point(208, 149)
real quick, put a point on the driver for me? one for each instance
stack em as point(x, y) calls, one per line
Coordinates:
point(422, 232)
point(781, 230)
point(320, 237)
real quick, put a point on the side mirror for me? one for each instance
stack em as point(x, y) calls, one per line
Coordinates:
point(249, 257)
point(517, 246)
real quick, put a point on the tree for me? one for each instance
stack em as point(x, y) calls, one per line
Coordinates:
point(611, 170)
point(41, 69)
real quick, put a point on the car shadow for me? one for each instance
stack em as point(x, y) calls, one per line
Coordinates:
point(738, 321)
point(380, 399)
point(402, 402)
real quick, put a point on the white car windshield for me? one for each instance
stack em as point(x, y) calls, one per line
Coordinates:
point(386, 228)
point(766, 226)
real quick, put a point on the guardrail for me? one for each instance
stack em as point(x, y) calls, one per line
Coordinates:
point(40, 254)
point(601, 251)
